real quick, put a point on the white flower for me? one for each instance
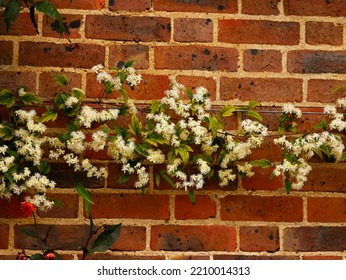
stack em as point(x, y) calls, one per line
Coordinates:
point(97, 68)
point(155, 156)
point(71, 101)
point(289, 108)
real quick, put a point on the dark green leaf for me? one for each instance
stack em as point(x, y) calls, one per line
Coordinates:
point(288, 185)
point(189, 93)
point(168, 180)
point(264, 163)
point(7, 98)
point(50, 115)
point(58, 203)
point(129, 63)
point(6, 133)
point(44, 167)
point(49, 10)
point(29, 99)
point(124, 178)
point(157, 179)
point(11, 12)
point(106, 239)
point(37, 257)
point(84, 193)
point(139, 149)
point(30, 233)
point(192, 196)
point(254, 115)
point(61, 80)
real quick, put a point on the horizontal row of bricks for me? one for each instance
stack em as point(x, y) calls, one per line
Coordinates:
point(191, 238)
point(232, 207)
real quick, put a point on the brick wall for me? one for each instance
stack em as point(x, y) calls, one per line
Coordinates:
point(270, 51)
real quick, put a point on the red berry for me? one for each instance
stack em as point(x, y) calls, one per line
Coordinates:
point(27, 208)
point(50, 256)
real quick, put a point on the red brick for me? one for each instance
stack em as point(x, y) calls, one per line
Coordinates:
point(258, 32)
point(196, 58)
point(194, 82)
point(323, 33)
point(262, 60)
point(114, 175)
point(327, 209)
point(131, 206)
point(10, 209)
point(326, 178)
point(193, 238)
point(123, 53)
point(85, 4)
point(61, 237)
point(260, 89)
point(128, 28)
point(259, 238)
point(193, 30)
point(151, 87)
point(72, 25)
point(60, 55)
point(262, 208)
point(132, 238)
point(49, 88)
point(221, 6)
point(62, 174)
point(139, 5)
point(4, 236)
point(316, 62)
point(254, 257)
point(188, 257)
point(315, 238)
point(69, 207)
point(335, 8)
point(321, 90)
point(107, 256)
point(21, 26)
point(322, 258)
point(261, 181)
point(14, 80)
point(204, 208)
point(6, 53)
point(260, 7)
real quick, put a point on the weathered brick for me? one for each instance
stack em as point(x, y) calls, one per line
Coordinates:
point(320, 90)
point(6, 52)
point(128, 28)
point(135, 206)
point(21, 26)
point(132, 238)
point(72, 24)
point(260, 7)
point(204, 208)
point(14, 80)
point(60, 55)
point(107, 256)
point(49, 88)
point(335, 8)
point(220, 6)
point(189, 257)
point(314, 239)
point(4, 236)
point(326, 178)
point(322, 257)
point(261, 181)
point(152, 87)
point(10, 209)
point(61, 237)
point(193, 30)
point(114, 175)
point(69, 207)
point(119, 54)
point(119, 5)
point(85, 4)
point(258, 32)
point(334, 209)
point(254, 257)
point(196, 58)
point(316, 62)
point(323, 33)
point(260, 89)
point(259, 238)
point(262, 208)
point(62, 174)
point(262, 60)
point(193, 238)
point(194, 82)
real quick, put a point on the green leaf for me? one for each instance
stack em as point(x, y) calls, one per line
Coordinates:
point(29, 99)
point(6, 133)
point(288, 185)
point(37, 257)
point(1, 2)
point(189, 93)
point(227, 111)
point(264, 163)
point(58, 203)
point(140, 150)
point(30, 233)
point(157, 107)
point(215, 124)
point(11, 12)
point(136, 125)
point(124, 178)
point(50, 115)
point(192, 197)
point(254, 115)
point(61, 80)
point(168, 180)
point(130, 63)
point(84, 193)
point(157, 179)
point(106, 239)
point(322, 125)
point(253, 104)
point(339, 89)
point(49, 10)
point(343, 157)
point(7, 98)
point(44, 167)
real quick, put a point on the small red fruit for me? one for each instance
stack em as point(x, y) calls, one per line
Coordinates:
point(27, 208)
point(49, 256)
